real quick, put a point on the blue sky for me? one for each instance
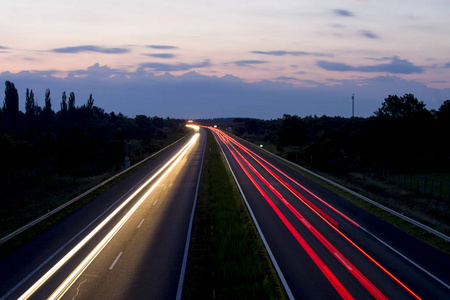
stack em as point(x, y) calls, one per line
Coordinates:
point(228, 58)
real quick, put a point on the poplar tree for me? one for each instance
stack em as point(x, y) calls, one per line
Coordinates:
point(64, 103)
point(47, 111)
point(11, 104)
point(30, 106)
point(71, 102)
point(90, 102)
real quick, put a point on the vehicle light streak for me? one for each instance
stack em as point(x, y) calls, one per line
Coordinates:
point(325, 270)
point(337, 254)
point(82, 266)
point(352, 269)
point(259, 158)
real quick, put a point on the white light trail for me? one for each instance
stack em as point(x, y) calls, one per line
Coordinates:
point(85, 263)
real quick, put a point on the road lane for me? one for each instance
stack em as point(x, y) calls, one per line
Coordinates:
point(342, 259)
point(60, 238)
point(152, 255)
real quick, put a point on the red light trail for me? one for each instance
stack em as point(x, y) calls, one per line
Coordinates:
point(232, 146)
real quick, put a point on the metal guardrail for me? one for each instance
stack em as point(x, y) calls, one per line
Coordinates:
point(43, 217)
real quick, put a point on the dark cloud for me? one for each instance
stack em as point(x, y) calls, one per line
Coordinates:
point(164, 47)
point(2, 49)
point(447, 65)
point(242, 63)
point(396, 66)
point(343, 13)
point(283, 53)
point(368, 34)
point(161, 55)
point(286, 78)
point(90, 48)
point(174, 67)
point(333, 66)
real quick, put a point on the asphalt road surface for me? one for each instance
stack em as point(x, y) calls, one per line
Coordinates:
point(326, 247)
point(128, 243)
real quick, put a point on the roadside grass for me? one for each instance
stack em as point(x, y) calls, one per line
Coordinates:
point(20, 214)
point(227, 257)
point(428, 210)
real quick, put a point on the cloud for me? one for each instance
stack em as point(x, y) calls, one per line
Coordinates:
point(243, 63)
point(174, 67)
point(343, 13)
point(332, 66)
point(396, 66)
point(2, 49)
point(161, 55)
point(90, 48)
point(368, 34)
point(283, 53)
point(286, 78)
point(447, 65)
point(97, 71)
point(164, 47)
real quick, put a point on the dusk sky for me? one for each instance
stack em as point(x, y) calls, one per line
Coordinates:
point(203, 59)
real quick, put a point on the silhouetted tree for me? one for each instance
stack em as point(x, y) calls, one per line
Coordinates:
point(64, 102)
point(444, 111)
point(401, 107)
point(90, 102)
point(292, 131)
point(30, 106)
point(47, 110)
point(11, 104)
point(71, 103)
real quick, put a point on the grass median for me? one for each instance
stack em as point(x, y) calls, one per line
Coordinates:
point(227, 257)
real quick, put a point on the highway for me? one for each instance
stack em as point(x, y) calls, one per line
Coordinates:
point(128, 243)
point(325, 247)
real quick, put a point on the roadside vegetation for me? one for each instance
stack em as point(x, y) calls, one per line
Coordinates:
point(227, 258)
point(50, 157)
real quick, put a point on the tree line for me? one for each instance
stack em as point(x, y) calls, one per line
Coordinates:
point(402, 135)
point(41, 145)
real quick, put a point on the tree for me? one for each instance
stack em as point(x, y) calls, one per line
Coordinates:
point(406, 106)
point(11, 104)
point(64, 102)
point(71, 103)
point(90, 102)
point(444, 111)
point(47, 111)
point(292, 131)
point(30, 106)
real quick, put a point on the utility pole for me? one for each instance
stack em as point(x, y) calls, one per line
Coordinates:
point(353, 105)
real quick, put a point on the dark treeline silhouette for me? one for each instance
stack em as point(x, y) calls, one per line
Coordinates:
point(41, 145)
point(401, 135)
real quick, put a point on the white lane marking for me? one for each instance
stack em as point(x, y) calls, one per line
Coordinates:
point(155, 202)
point(115, 261)
point(407, 258)
point(139, 226)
